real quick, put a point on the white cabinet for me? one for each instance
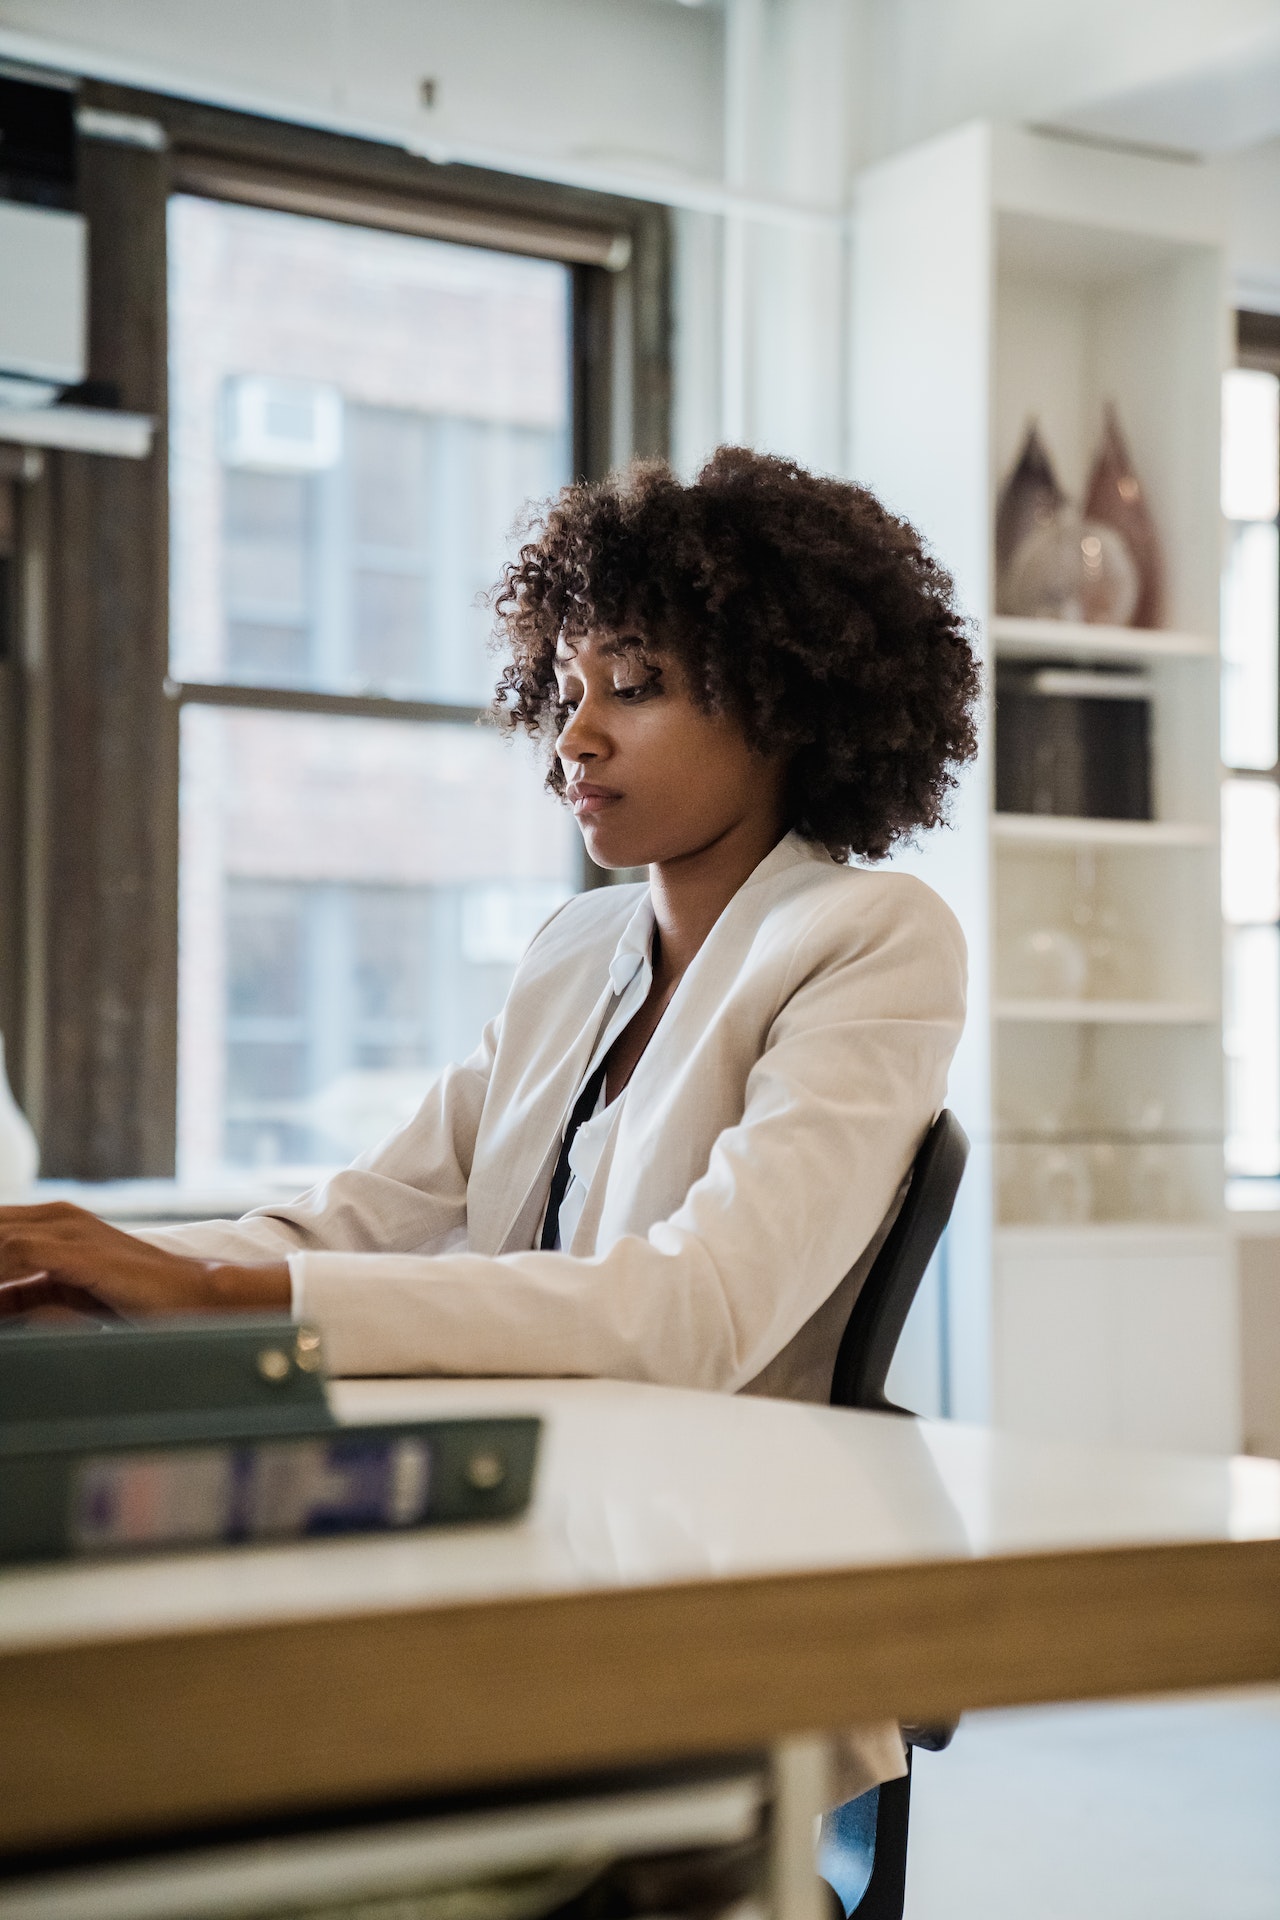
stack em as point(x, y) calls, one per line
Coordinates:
point(1003, 277)
point(1123, 1335)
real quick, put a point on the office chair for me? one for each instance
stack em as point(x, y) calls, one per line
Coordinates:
point(866, 1351)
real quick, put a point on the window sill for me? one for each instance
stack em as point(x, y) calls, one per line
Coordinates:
point(157, 1203)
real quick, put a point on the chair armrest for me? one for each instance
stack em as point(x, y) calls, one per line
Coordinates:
point(931, 1739)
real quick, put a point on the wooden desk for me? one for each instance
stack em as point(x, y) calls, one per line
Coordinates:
point(698, 1575)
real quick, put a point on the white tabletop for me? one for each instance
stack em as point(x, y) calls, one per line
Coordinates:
point(648, 1486)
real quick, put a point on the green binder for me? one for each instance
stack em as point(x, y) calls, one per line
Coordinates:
point(199, 1433)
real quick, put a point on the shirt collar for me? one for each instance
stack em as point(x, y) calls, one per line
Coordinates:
point(635, 949)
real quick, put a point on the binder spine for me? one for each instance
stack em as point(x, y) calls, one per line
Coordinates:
point(73, 1501)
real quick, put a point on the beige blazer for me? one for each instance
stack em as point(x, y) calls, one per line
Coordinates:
point(750, 1175)
point(751, 1172)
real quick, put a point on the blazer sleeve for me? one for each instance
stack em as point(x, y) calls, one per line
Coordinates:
point(852, 1075)
point(406, 1195)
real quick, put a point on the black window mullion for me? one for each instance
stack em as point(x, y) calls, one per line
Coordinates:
point(1258, 347)
point(359, 706)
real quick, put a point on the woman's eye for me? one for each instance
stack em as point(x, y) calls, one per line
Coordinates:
point(634, 690)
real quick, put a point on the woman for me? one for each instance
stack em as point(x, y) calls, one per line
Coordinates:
point(674, 1153)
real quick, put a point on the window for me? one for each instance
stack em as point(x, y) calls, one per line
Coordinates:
point(355, 895)
point(358, 421)
point(366, 574)
point(1250, 751)
point(340, 997)
point(258, 658)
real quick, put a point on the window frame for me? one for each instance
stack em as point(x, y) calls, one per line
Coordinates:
point(1258, 348)
point(88, 964)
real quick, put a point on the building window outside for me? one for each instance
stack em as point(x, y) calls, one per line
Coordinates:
point(358, 420)
point(340, 997)
point(1250, 751)
point(367, 575)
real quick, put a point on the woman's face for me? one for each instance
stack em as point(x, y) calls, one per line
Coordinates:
point(650, 776)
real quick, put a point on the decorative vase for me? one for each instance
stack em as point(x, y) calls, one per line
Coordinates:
point(1115, 499)
point(1072, 569)
point(1155, 1191)
point(19, 1154)
point(1061, 1187)
point(1106, 940)
point(1049, 963)
point(1029, 499)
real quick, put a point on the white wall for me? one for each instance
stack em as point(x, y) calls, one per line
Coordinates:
point(790, 122)
point(751, 116)
point(934, 64)
point(1253, 191)
point(564, 87)
point(635, 86)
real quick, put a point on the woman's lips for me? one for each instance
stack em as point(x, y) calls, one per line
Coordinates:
point(586, 797)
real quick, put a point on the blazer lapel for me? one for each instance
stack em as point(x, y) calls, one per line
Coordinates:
point(547, 1053)
point(525, 1143)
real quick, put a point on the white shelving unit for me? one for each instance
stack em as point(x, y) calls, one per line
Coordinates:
point(1061, 830)
point(1108, 1013)
point(1070, 640)
point(1003, 276)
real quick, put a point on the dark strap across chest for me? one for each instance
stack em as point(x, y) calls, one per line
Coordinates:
point(584, 1107)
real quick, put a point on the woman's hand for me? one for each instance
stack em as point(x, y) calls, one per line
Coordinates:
point(58, 1258)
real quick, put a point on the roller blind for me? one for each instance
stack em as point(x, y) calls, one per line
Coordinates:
point(509, 231)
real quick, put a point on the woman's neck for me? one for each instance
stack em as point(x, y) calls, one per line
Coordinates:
point(690, 893)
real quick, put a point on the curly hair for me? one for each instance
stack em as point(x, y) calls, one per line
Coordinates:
point(797, 604)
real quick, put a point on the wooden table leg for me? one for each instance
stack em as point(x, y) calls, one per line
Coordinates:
point(801, 1769)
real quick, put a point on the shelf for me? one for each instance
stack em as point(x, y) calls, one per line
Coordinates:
point(79, 430)
point(1104, 1137)
point(1074, 640)
point(1091, 1238)
point(1108, 1013)
point(1062, 830)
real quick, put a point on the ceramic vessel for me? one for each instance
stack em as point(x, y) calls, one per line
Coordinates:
point(19, 1154)
point(1072, 569)
point(1029, 499)
point(1115, 499)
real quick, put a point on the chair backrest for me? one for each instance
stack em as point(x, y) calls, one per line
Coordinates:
point(858, 1381)
point(862, 1366)
point(884, 1300)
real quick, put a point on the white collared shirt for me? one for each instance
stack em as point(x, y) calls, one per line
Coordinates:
point(631, 976)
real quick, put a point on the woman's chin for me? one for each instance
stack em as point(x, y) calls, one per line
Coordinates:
point(613, 851)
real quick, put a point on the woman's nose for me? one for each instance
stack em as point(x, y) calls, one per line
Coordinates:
point(579, 737)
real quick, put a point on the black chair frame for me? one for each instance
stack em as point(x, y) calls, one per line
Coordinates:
point(862, 1367)
point(885, 1298)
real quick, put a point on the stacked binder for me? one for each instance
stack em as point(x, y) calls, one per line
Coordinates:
point(219, 1432)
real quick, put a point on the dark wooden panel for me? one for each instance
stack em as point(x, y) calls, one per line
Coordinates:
point(1258, 340)
point(11, 799)
point(111, 973)
point(592, 316)
point(651, 346)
